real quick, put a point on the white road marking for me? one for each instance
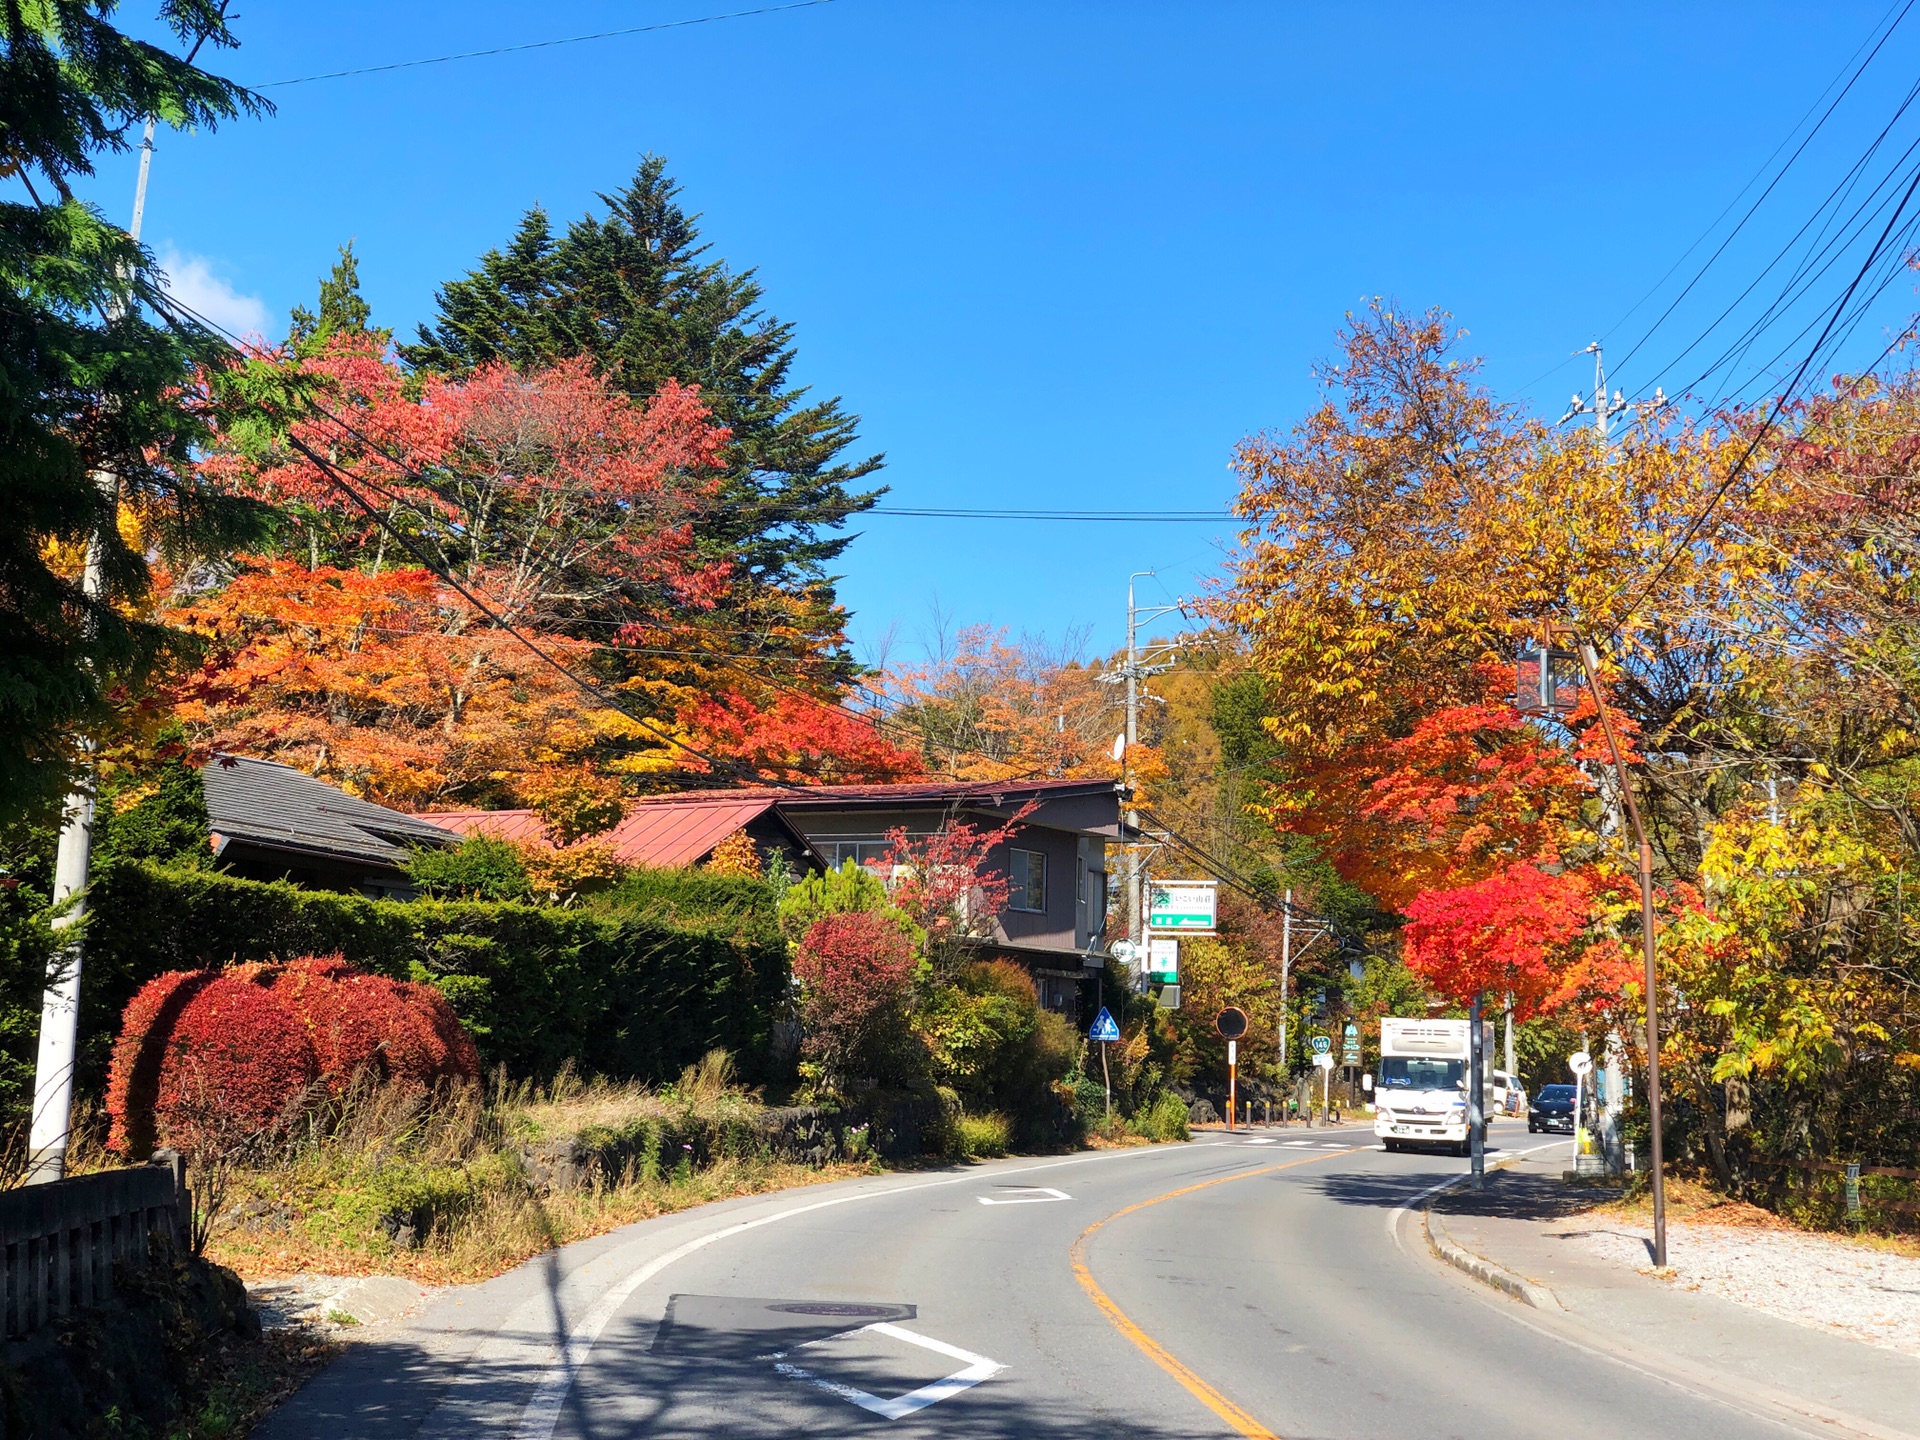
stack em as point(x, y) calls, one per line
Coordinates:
point(1261, 1140)
point(542, 1412)
point(1298, 1144)
point(1026, 1195)
point(1393, 1215)
point(977, 1368)
point(1335, 1147)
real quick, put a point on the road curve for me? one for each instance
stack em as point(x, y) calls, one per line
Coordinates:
point(1219, 1288)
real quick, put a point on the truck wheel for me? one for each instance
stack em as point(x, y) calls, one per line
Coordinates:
point(1392, 1146)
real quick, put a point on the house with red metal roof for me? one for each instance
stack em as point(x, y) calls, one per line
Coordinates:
point(662, 832)
point(1055, 855)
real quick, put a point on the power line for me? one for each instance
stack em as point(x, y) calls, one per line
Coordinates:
point(446, 576)
point(1780, 401)
point(1753, 209)
point(541, 44)
point(1114, 517)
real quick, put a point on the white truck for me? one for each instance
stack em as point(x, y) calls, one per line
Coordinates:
point(1420, 1095)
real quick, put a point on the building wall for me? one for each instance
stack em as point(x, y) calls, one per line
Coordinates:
point(1074, 864)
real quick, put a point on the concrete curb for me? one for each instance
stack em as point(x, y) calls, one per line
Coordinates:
point(1486, 1272)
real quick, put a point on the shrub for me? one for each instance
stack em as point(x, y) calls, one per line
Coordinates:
point(210, 1060)
point(736, 855)
point(637, 984)
point(1165, 1119)
point(855, 971)
point(480, 867)
point(993, 1044)
point(983, 1137)
point(852, 889)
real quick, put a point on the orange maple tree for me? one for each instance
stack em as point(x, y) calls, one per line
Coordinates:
point(563, 509)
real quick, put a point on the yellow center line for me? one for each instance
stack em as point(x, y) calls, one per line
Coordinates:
point(1240, 1420)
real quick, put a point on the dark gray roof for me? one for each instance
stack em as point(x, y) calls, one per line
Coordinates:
point(279, 807)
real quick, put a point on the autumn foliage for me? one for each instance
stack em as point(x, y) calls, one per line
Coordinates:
point(217, 1057)
point(562, 514)
point(855, 971)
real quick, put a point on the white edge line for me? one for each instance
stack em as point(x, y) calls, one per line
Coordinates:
point(542, 1412)
point(1393, 1215)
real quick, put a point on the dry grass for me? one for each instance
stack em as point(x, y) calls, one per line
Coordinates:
point(1691, 1201)
point(437, 1187)
point(509, 1226)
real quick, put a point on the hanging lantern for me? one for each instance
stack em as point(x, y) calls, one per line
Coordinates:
point(1547, 682)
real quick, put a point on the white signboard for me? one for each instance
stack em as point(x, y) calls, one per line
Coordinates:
point(1186, 906)
point(1163, 959)
point(1325, 1062)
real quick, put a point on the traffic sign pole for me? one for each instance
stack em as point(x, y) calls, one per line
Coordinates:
point(1231, 1023)
point(1233, 1071)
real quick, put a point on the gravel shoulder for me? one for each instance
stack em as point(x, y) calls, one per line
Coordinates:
point(1834, 1285)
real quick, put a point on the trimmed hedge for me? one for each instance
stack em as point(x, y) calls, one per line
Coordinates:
point(639, 986)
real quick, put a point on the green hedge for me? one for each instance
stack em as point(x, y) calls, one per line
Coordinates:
point(635, 987)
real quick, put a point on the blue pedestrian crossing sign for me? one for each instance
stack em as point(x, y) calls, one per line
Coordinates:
point(1103, 1027)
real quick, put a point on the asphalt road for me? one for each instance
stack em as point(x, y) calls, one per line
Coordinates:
point(1218, 1288)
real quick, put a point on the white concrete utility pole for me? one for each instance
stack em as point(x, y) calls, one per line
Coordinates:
point(1137, 668)
point(1286, 969)
point(60, 1003)
point(1602, 409)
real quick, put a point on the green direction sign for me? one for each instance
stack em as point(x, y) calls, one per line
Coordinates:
point(1350, 1045)
point(1183, 905)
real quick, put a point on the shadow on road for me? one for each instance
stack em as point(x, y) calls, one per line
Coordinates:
point(388, 1389)
point(1519, 1195)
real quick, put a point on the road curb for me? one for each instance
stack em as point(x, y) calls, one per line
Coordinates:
point(1485, 1271)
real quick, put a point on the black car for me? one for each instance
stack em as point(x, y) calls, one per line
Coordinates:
point(1552, 1109)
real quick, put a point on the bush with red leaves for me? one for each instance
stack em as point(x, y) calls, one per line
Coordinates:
point(855, 970)
point(209, 1059)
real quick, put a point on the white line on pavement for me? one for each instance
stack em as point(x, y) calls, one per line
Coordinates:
point(978, 1368)
point(1025, 1195)
point(1393, 1215)
point(542, 1412)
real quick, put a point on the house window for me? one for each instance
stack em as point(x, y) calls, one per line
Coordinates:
point(1028, 871)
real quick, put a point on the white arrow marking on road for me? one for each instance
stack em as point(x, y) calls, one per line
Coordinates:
point(1026, 1195)
point(978, 1368)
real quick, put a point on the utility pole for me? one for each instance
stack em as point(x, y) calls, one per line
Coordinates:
point(1509, 1047)
point(1476, 1094)
point(1136, 915)
point(1602, 409)
point(60, 1002)
point(1286, 967)
point(1136, 670)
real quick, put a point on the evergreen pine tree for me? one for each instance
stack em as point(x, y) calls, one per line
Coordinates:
point(90, 383)
point(635, 290)
point(343, 309)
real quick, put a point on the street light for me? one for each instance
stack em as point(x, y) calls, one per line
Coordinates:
point(1546, 683)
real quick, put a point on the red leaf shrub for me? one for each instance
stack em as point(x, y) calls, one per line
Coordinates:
point(236, 1057)
point(854, 971)
point(207, 1058)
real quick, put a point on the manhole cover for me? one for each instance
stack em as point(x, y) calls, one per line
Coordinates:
point(849, 1312)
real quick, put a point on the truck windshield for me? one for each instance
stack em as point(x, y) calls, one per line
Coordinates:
point(1406, 1072)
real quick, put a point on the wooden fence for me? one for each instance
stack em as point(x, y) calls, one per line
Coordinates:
point(61, 1241)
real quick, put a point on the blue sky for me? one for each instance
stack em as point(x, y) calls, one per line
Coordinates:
point(1057, 255)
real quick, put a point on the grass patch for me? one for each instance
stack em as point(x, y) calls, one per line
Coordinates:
point(983, 1137)
point(468, 1184)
